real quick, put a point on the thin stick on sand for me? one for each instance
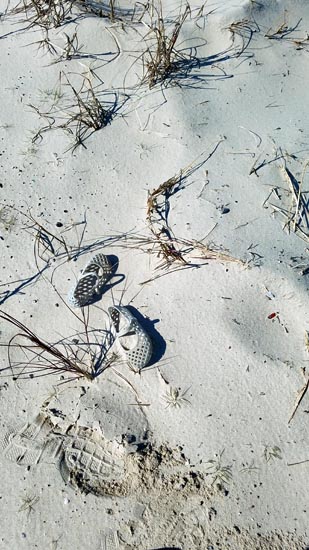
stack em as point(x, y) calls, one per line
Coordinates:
point(301, 395)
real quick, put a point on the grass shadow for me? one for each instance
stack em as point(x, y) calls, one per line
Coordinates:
point(24, 283)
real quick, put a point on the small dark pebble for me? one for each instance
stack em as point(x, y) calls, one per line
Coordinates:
point(224, 210)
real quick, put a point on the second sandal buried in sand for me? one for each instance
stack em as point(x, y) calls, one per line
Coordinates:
point(132, 340)
point(95, 274)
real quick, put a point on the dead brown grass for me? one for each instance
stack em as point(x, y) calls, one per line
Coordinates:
point(162, 57)
point(295, 214)
point(173, 252)
point(86, 355)
point(79, 115)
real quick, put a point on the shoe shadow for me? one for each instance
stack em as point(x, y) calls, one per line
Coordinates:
point(158, 342)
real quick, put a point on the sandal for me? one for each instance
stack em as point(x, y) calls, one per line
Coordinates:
point(90, 281)
point(133, 342)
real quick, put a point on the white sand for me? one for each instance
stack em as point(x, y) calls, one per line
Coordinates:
point(242, 370)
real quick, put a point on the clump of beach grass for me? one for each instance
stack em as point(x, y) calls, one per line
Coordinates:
point(79, 116)
point(52, 14)
point(45, 14)
point(162, 58)
point(82, 356)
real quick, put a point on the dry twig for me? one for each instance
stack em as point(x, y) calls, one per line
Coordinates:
point(297, 215)
point(300, 396)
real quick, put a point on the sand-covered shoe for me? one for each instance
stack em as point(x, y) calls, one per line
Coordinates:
point(132, 340)
point(92, 278)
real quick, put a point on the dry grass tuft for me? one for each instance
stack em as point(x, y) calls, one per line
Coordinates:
point(80, 116)
point(284, 32)
point(81, 356)
point(162, 58)
point(174, 252)
point(52, 14)
point(72, 49)
point(296, 215)
point(244, 30)
point(43, 13)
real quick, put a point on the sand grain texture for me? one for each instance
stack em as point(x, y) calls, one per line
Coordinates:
point(195, 185)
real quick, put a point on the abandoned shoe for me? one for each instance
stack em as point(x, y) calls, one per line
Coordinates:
point(133, 342)
point(92, 278)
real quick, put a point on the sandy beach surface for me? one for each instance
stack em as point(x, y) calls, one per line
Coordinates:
point(173, 140)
